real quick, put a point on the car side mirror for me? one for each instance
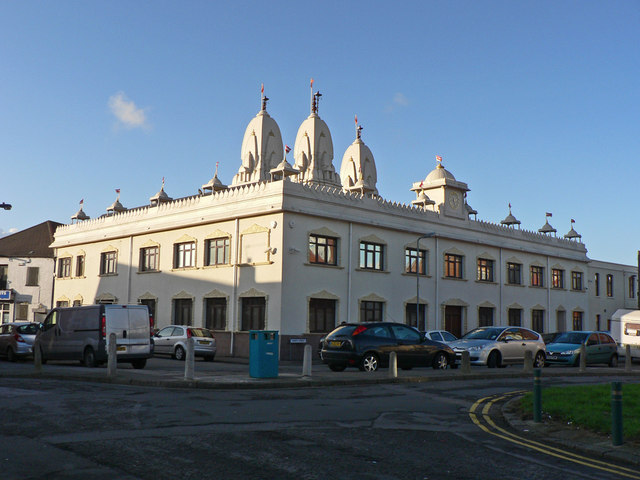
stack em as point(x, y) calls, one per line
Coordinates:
point(40, 326)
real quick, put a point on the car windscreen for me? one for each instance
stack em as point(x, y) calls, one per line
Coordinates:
point(343, 331)
point(30, 329)
point(483, 334)
point(571, 337)
point(200, 332)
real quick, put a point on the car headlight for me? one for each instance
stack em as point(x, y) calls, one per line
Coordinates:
point(475, 348)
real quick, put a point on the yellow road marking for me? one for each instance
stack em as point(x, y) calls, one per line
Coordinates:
point(537, 446)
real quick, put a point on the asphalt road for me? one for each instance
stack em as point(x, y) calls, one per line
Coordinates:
point(56, 429)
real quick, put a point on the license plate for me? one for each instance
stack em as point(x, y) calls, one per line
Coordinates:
point(203, 342)
point(122, 349)
point(551, 357)
point(335, 343)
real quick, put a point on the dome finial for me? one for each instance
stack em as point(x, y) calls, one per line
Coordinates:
point(358, 129)
point(439, 160)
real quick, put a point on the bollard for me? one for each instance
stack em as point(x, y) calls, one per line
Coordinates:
point(393, 365)
point(466, 362)
point(306, 361)
point(112, 356)
point(616, 413)
point(537, 395)
point(37, 358)
point(528, 362)
point(189, 360)
point(627, 358)
point(583, 358)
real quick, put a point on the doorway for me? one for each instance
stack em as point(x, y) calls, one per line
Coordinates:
point(453, 320)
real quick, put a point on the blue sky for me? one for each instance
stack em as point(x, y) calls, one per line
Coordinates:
point(536, 103)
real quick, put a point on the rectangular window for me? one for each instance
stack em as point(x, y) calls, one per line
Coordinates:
point(151, 306)
point(557, 278)
point(485, 270)
point(108, 263)
point(184, 255)
point(485, 316)
point(322, 315)
point(62, 303)
point(598, 322)
point(64, 267)
point(597, 282)
point(254, 313)
point(576, 281)
point(4, 270)
point(371, 311)
point(217, 251)
point(414, 261)
point(80, 266)
point(22, 311)
point(577, 320)
point(452, 266)
point(410, 316)
point(323, 250)
point(514, 273)
point(537, 276)
point(149, 257)
point(632, 286)
point(537, 320)
point(609, 285)
point(215, 313)
point(33, 274)
point(515, 317)
point(182, 311)
point(4, 311)
point(77, 303)
point(371, 256)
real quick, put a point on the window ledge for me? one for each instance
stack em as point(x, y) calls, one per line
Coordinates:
point(561, 289)
point(514, 285)
point(409, 274)
point(182, 269)
point(144, 272)
point(486, 282)
point(371, 270)
point(108, 275)
point(537, 286)
point(79, 278)
point(222, 265)
point(455, 279)
point(323, 265)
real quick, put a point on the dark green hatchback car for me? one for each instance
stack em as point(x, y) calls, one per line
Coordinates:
point(565, 349)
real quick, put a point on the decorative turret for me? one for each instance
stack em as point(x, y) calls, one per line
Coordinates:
point(572, 234)
point(546, 228)
point(116, 207)
point(510, 220)
point(80, 216)
point(446, 192)
point(261, 148)
point(284, 168)
point(214, 185)
point(358, 168)
point(160, 197)
point(313, 149)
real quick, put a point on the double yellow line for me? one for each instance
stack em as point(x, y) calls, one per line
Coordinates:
point(485, 422)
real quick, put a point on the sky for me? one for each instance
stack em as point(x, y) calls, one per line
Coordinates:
point(532, 103)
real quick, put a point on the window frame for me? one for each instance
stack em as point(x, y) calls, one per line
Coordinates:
point(180, 253)
point(325, 243)
point(215, 313)
point(212, 249)
point(609, 285)
point(372, 256)
point(64, 267)
point(577, 281)
point(415, 259)
point(514, 269)
point(322, 314)
point(80, 265)
point(486, 268)
point(453, 266)
point(145, 256)
point(31, 273)
point(109, 263)
point(557, 278)
point(536, 273)
point(537, 318)
point(371, 309)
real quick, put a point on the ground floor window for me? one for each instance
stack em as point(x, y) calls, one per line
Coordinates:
point(254, 313)
point(322, 315)
point(182, 311)
point(151, 305)
point(515, 317)
point(215, 313)
point(577, 320)
point(418, 321)
point(4, 312)
point(485, 316)
point(371, 311)
point(537, 320)
point(561, 324)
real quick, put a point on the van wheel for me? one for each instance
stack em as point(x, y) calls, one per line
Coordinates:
point(139, 363)
point(42, 359)
point(89, 358)
point(11, 356)
point(179, 353)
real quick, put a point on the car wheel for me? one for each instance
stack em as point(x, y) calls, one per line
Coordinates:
point(613, 361)
point(494, 360)
point(539, 360)
point(337, 367)
point(11, 356)
point(89, 358)
point(179, 353)
point(370, 362)
point(440, 361)
point(139, 363)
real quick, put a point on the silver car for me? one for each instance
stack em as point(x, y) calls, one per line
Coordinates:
point(440, 336)
point(172, 340)
point(16, 340)
point(500, 346)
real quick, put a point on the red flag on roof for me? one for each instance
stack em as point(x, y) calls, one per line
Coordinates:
point(356, 119)
point(81, 201)
point(438, 158)
point(312, 83)
point(287, 149)
point(262, 88)
point(573, 221)
point(548, 214)
point(117, 190)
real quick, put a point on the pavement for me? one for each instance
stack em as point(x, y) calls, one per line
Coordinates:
point(233, 373)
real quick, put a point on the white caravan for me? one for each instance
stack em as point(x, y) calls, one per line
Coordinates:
point(625, 330)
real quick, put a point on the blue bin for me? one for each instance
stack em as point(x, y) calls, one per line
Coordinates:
point(263, 353)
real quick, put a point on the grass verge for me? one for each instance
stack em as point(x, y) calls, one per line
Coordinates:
point(589, 407)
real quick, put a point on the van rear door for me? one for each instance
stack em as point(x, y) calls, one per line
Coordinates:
point(130, 323)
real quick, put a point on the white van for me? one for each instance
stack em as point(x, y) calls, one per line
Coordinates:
point(81, 333)
point(625, 330)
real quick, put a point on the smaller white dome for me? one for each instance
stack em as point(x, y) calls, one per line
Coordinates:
point(439, 173)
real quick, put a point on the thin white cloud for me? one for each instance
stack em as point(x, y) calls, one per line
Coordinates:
point(399, 101)
point(127, 113)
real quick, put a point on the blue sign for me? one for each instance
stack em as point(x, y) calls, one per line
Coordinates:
point(5, 294)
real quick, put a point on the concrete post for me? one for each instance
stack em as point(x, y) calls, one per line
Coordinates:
point(393, 365)
point(37, 358)
point(189, 361)
point(616, 414)
point(583, 358)
point(537, 395)
point(465, 367)
point(528, 361)
point(306, 361)
point(627, 358)
point(112, 356)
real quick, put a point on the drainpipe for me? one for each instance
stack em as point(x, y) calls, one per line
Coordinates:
point(436, 274)
point(349, 274)
point(549, 298)
point(234, 293)
point(501, 285)
point(130, 267)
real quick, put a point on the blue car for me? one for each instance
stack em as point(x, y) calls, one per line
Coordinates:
point(599, 346)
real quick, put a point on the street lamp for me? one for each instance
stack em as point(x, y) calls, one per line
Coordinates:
point(427, 235)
